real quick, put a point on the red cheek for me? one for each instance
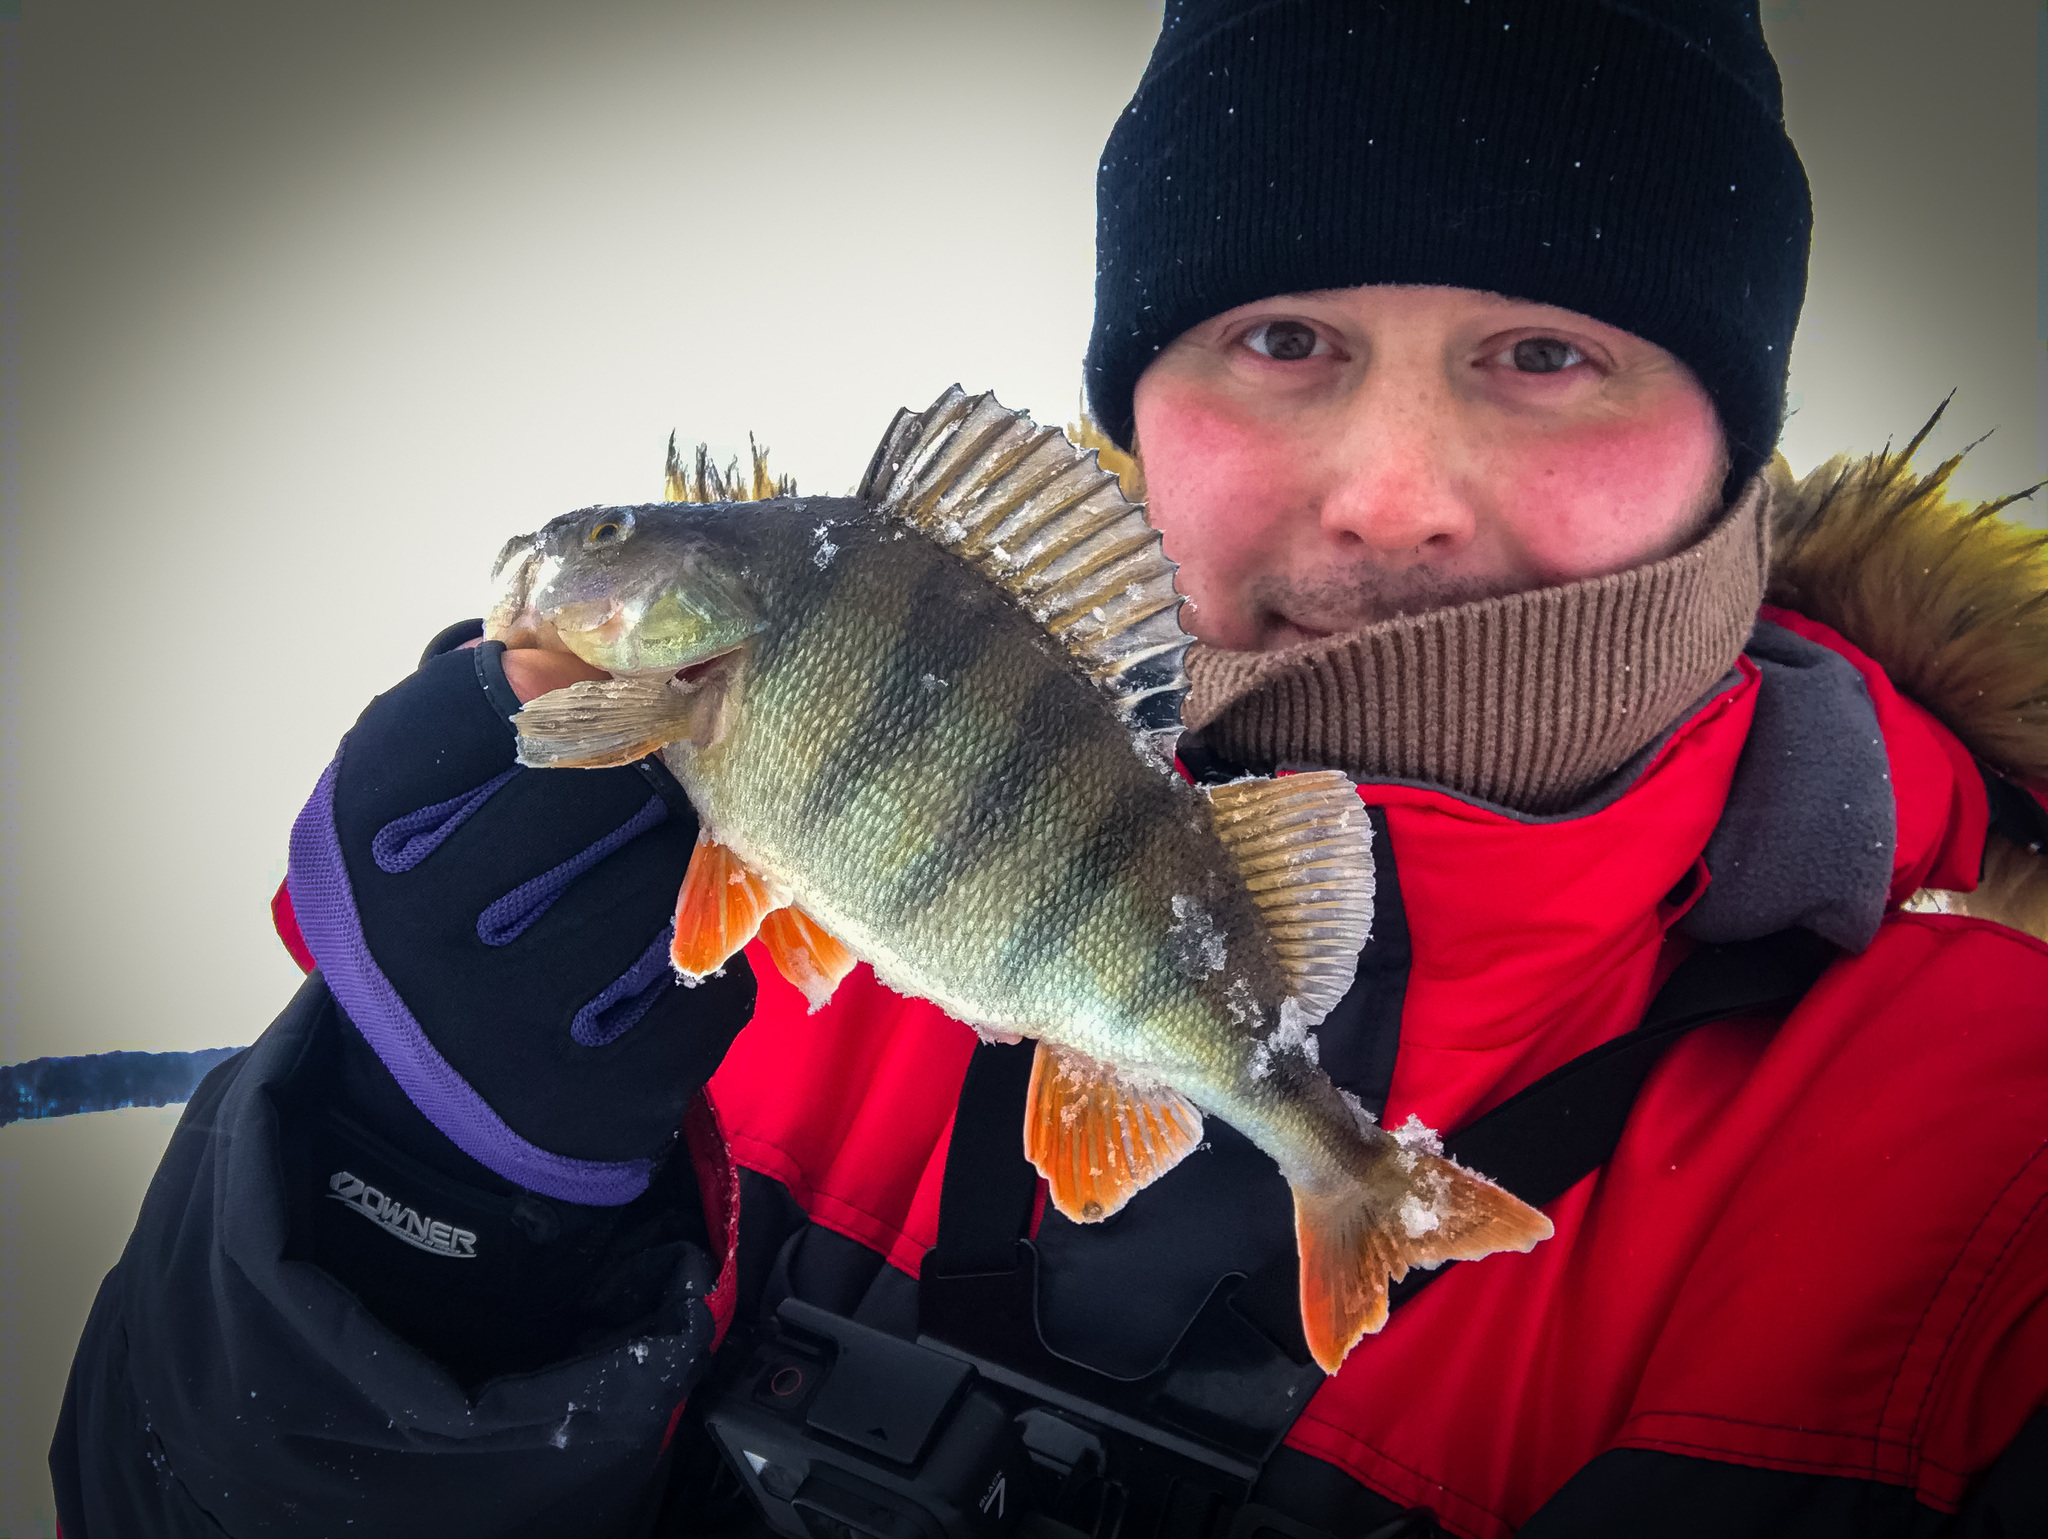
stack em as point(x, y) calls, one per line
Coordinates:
point(1192, 447)
point(1215, 480)
point(1603, 496)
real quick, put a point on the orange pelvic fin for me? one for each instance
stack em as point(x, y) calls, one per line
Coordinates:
point(1098, 1139)
point(721, 906)
point(1352, 1247)
point(805, 954)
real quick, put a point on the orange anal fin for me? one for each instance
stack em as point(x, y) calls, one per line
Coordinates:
point(1445, 1213)
point(1098, 1139)
point(805, 954)
point(719, 910)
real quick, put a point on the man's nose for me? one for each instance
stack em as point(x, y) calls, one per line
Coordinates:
point(1391, 480)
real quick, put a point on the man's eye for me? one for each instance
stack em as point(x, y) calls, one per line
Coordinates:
point(1544, 355)
point(1284, 340)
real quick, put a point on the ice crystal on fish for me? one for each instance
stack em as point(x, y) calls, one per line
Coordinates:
point(1418, 1217)
point(1198, 946)
point(1151, 750)
point(1290, 1038)
point(1367, 1122)
point(1418, 1136)
point(1242, 1001)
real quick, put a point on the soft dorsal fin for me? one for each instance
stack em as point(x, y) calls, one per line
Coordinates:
point(1045, 523)
point(1097, 1138)
point(1303, 845)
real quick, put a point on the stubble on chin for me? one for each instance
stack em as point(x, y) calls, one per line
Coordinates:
point(1290, 611)
point(1353, 598)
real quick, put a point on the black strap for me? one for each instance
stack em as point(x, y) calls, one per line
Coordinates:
point(1545, 1139)
point(1538, 1143)
point(990, 1188)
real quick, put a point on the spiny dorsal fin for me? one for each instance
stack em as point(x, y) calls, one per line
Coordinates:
point(1303, 845)
point(1045, 523)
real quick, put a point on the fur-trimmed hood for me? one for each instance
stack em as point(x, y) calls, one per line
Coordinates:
point(1951, 600)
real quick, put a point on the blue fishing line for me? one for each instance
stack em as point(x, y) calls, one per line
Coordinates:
point(59, 1087)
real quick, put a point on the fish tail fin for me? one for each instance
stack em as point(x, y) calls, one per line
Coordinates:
point(1353, 1247)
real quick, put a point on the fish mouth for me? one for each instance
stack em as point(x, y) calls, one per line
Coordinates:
point(599, 620)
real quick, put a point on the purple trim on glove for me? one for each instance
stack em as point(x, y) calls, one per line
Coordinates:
point(404, 842)
point(321, 897)
point(506, 920)
point(619, 1008)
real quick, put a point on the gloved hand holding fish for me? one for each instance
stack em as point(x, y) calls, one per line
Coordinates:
point(930, 727)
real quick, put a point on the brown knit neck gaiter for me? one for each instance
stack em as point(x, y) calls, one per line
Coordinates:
point(1528, 701)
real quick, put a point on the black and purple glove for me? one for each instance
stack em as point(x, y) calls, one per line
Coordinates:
point(503, 1089)
point(499, 936)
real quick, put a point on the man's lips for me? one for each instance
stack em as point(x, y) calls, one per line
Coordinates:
point(1285, 631)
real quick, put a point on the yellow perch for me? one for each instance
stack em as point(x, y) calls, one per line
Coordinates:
point(930, 727)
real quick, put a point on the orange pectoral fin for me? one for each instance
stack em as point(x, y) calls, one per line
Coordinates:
point(721, 906)
point(808, 957)
point(1097, 1139)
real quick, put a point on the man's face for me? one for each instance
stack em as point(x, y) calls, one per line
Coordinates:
point(1319, 462)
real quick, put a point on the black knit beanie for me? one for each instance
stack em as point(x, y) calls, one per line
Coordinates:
point(1626, 159)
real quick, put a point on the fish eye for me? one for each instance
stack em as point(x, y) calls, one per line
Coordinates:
point(610, 529)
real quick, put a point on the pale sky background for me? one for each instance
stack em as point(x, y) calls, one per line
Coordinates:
point(308, 307)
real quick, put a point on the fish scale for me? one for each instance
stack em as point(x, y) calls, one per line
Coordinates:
point(928, 728)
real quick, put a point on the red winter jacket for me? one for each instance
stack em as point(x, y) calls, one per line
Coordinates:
point(1821, 1246)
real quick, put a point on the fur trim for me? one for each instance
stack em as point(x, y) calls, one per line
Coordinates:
point(699, 480)
point(2013, 892)
point(1948, 598)
point(1952, 602)
point(1125, 467)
